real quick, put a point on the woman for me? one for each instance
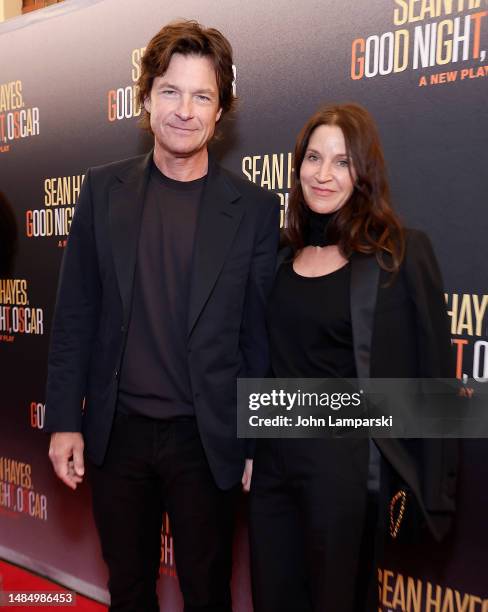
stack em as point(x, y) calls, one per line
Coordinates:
point(357, 295)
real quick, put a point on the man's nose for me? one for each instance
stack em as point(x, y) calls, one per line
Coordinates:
point(185, 107)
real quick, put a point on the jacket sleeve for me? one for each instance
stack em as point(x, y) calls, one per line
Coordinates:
point(75, 322)
point(253, 338)
point(439, 456)
point(425, 285)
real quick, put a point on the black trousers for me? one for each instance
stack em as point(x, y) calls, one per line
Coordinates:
point(152, 466)
point(308, 509)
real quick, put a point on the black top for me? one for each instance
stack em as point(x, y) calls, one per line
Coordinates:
point(309, 321)
point(154, 379)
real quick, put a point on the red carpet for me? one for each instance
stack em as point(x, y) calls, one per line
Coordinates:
point(13, 578)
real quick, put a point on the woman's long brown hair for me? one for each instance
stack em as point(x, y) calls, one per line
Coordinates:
point(366, 223)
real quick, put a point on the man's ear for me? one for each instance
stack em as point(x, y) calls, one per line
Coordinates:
point(147, 104)
point(219, 114)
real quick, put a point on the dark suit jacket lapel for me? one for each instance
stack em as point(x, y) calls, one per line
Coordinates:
point(365, 274)
point(219, 217)
point(126, 202)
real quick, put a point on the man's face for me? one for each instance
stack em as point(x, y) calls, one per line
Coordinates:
point(184, 105)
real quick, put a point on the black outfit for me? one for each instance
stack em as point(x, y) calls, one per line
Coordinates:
point(316, 314)
point(312, 494)
point(312, 490)
point(155, 378)
point(151, 466)
point(172, 442)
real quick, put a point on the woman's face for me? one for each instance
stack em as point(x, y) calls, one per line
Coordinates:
point(326, 170)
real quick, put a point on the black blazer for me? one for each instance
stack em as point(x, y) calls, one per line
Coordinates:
point(233, 265)
point(400, 330)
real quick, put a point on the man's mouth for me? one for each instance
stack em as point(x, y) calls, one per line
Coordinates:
point(182, 128)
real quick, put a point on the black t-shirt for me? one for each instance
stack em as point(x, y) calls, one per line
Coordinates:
point(155, 379)
point(309, 322)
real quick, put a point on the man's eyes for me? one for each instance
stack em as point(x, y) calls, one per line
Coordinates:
point(172, 93)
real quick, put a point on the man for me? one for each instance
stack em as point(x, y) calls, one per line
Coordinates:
point(161, 306)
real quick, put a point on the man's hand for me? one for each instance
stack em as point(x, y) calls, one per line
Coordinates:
point(66, 454)
point(246, 476)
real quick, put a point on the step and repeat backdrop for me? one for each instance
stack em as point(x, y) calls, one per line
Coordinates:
point(68, 101)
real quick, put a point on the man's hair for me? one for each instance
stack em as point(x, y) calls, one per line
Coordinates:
point(187, 38)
